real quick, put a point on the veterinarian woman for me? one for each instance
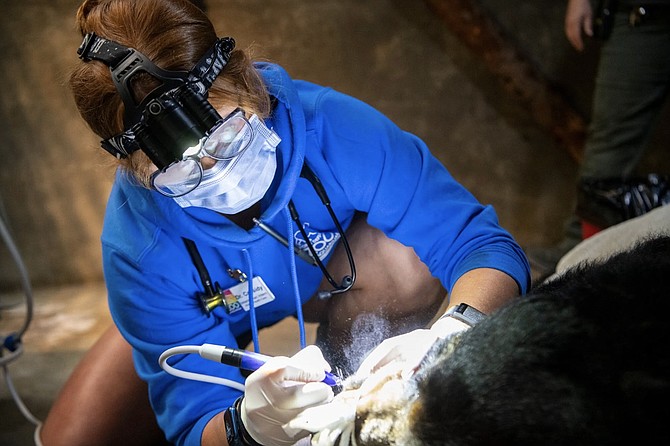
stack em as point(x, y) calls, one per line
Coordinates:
point(235, 183)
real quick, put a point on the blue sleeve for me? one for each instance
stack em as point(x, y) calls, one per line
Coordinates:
point(410, 195)
point(153, 305)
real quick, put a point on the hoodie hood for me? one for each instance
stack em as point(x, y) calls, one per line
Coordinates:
point(288, 121)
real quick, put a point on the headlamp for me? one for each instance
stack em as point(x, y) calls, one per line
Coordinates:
point(175, 115)
point(226, 140)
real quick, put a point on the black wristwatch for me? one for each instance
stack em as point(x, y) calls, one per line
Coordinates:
point(236, 434)
point(465, 313)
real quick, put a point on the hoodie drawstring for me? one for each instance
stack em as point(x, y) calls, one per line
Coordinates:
point(294, 278)
point(252, 305)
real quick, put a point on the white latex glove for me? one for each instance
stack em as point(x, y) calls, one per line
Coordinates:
point(279, 390)
point(334, 423)
point(328, 421)
point(403, 354)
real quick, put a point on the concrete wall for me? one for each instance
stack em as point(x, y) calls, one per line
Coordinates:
point(394, 54)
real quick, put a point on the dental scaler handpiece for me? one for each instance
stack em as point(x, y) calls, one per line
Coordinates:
point(247, 360)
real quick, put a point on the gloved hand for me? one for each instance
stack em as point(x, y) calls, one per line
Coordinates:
point(279, 390)
point(328, 421)
point(403, 354)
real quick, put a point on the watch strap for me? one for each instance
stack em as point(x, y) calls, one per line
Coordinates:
point(465, 313)
point(236, 434)
point(232, 421)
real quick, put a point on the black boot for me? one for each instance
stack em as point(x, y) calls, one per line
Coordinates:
point(543, 259)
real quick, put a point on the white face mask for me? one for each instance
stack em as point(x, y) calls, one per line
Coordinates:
point(232, 186)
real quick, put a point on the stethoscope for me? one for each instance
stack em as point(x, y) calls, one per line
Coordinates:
point(214, 296)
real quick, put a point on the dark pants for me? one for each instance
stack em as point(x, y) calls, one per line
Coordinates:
point(631, 87)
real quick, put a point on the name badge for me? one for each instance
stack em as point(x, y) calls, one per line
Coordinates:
point(237, 297)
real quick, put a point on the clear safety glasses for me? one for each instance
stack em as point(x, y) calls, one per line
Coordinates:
point(227, 139)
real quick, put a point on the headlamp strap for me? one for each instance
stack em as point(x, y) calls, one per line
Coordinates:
point(112, 53)
point(211, 64)
point(97, 48)
point(125, 62)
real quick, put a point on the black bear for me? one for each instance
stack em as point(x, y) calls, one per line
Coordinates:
point(581, 360)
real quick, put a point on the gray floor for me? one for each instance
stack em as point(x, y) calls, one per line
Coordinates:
point(66, 322)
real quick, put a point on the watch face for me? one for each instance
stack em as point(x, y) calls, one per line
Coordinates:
point(466, 313)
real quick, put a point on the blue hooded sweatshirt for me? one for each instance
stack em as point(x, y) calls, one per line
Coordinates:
point(366, 164)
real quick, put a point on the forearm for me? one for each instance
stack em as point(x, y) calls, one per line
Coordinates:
point(214, 433)
point(485, 289)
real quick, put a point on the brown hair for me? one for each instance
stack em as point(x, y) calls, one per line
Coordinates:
point(174, 34)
